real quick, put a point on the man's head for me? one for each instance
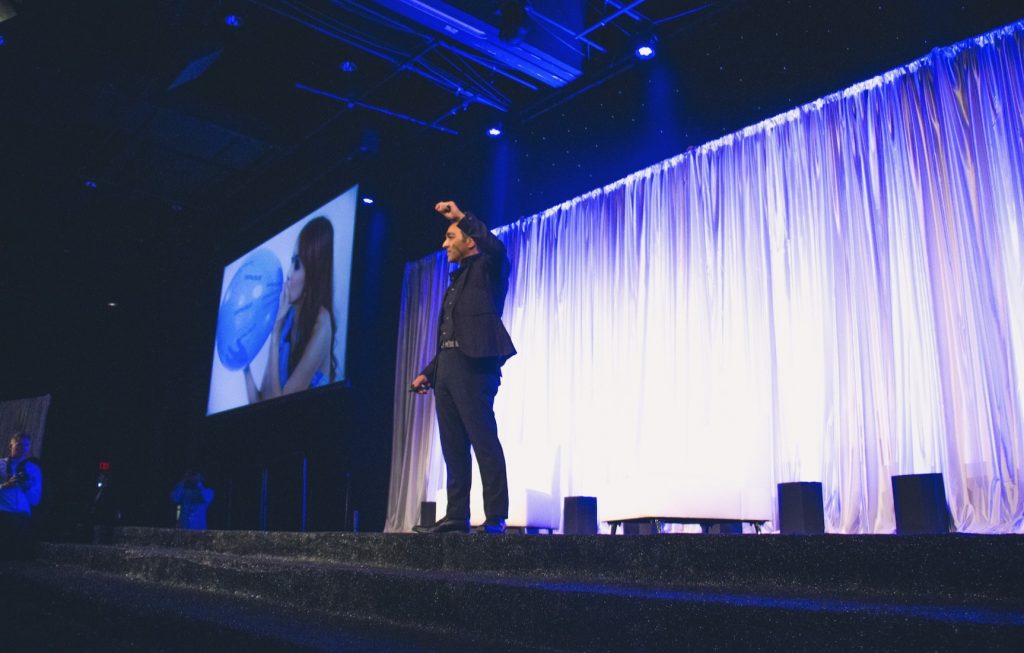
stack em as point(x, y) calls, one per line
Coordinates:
point(458, 245)
point(20, 445)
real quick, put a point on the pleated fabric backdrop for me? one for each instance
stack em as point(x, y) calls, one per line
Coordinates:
point(835, 294)
point(17, 415)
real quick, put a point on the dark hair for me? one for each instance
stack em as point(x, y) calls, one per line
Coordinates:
point(21, 435)
point(316, 252)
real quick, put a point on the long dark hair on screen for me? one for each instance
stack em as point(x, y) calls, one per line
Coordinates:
point(316, 253)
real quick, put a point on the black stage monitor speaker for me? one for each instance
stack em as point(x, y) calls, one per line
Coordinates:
point(579, 516)
point(428, 513)
point(920, 502)
point(801, 509)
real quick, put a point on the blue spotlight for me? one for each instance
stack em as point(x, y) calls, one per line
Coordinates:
point(232, 21)
point(2, 41)
point(348, 66)
point(645, 47)
point(367, 200)
point(494, 132)
point(89, 183)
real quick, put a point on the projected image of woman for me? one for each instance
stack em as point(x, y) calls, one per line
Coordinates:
point(302, 342)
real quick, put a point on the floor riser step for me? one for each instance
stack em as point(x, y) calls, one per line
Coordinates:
point(922, 565)
point(577, 616)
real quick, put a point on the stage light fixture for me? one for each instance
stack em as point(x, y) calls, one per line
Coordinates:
point(494, 132)
point(348, 66)
point(89, 183)
point(367, 200)
point(232, 20)
point(2, 41)
point(645, 47)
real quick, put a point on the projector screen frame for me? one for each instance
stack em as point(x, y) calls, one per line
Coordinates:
point(276, 226)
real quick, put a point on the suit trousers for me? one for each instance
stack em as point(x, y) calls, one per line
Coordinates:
point(464, 390)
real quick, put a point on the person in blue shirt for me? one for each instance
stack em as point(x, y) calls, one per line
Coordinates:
point(193, 498)
point(21, 488)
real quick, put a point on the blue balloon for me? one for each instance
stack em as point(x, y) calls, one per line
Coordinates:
point(248, 309)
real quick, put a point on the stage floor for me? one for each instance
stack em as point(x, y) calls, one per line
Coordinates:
point(585, 593)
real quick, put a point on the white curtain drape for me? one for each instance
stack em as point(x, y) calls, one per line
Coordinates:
point(17, 415)
point(835, 294)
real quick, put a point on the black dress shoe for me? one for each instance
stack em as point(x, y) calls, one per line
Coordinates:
point(493, 527)
point(446, 525)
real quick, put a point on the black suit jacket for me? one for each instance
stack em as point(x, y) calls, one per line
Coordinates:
point(480, 291)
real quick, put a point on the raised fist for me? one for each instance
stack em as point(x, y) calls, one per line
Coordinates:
point(450, 210)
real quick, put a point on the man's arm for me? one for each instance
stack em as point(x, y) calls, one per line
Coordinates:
point(485, 241)
point(430, 370)
point(207, 493)
point(473, 227)
point(426, 377)
point(33, 485)
point(178, 493)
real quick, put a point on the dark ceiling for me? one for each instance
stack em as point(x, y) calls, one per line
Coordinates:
point(165, 99)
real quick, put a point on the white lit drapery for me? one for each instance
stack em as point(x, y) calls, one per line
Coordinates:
point(835, 294)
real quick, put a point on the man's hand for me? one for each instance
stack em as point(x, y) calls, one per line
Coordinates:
point(420, 385)
point(449, 210)
point(14, 481)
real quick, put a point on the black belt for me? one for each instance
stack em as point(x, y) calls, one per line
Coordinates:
point(449, 344)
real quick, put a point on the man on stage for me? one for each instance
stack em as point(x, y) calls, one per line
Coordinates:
point(466, 371)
